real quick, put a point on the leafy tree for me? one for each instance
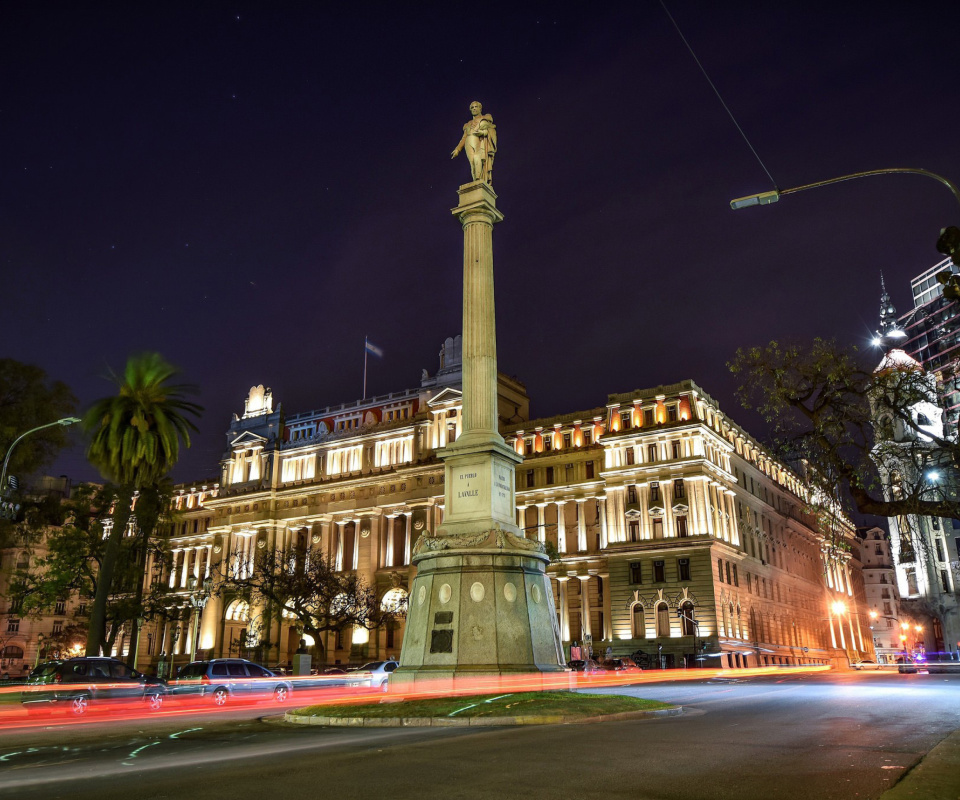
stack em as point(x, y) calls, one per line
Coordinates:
point(28, 398)
point(72, 550)
point(823, 402)
point(302, 584)
point(136, 437)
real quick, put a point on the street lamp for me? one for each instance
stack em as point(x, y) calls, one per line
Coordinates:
point(8, 510)
point(199, 595)
point(766, 198)
point(40, 638)
point(136, 643)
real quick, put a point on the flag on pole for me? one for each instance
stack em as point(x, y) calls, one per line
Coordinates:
point(373, 349)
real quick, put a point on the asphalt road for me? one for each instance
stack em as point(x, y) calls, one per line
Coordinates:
point(809, 736)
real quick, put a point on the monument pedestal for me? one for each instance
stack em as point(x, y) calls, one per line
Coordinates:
point(481, 603)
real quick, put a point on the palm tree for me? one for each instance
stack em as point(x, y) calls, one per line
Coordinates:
point(135, 442)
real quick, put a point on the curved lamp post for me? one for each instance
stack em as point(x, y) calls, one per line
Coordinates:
point(6, 461)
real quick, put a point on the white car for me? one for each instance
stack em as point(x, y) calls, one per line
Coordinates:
point(374, 674)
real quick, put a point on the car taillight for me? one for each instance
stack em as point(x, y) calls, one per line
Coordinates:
point(57, 677)
point(204, 679)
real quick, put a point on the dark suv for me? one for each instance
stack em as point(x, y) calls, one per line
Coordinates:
point(221, 679)
point(75, 684)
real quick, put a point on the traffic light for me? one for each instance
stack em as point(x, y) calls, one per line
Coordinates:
point(949, 243)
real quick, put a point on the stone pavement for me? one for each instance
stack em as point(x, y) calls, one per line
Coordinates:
point(935, 777)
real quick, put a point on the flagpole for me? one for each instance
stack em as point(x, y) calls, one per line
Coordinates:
point(364, 367)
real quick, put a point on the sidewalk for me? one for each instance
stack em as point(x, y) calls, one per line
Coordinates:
point(936, 777)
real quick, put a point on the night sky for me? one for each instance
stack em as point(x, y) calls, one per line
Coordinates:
point(250, 190)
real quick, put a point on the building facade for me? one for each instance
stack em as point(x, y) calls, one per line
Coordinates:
point(882, 595)
point(672, 532)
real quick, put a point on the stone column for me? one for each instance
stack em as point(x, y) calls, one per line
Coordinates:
point(581, 524)
point(561, 528)
point(174, 554)
point(541, 522)
point(604, 534)
point(388, 556)
point(607, 613)
point(564, 608)
point(585, 605)
point(408, 518)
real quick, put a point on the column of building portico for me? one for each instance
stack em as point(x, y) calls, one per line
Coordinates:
point(522, 519)
point(407, 535)
point(564, 608)
point(212, 609)
point(338, 545)
point(607, 613)
point(541, 522)
point(602, 520)
point(703, 506)
point(391, 524)
point(585, 621)
point(561, 528)
point(732, 524)
point(172, 579)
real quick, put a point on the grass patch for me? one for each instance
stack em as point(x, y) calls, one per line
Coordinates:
point(519, 704)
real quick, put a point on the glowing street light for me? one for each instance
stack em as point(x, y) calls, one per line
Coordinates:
point(838, 607)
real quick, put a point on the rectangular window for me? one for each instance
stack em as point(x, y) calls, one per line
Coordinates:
point(549, 476)
point(547, 443)
point(629, 456)
point(624, 420)
point(887, 608)
point(61, 605)
point(648, 416)
point(941, 555)
point(634, 530)
point(651, 452)
point(683, 569)
point(530, 483)
point(587, 436)
point(720, 569)
point(654, 492)
point(678, 488)
point(528, 447)
point(567, 440)
point(636, 574)
point(944, 580)
point(568, 470)
point(57, 626)
point(727, 570)
point(658, 572)
point(675, 450)
point(589, 466)
point(749, 585)
point(631, 494)
point(682, 526)
point(672, 413)
point(13, 625)
point(736, 579)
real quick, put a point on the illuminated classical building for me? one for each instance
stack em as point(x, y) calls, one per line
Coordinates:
point(673, 532)
point(883, 598)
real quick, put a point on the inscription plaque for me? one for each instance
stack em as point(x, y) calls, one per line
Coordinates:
point(441, 641)
point(443, 618)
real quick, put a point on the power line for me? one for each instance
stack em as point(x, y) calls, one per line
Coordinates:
point(719, 97)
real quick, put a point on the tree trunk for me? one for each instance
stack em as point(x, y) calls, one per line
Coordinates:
point(98, 613)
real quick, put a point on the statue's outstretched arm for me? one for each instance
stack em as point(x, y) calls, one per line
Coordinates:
point(459, 147)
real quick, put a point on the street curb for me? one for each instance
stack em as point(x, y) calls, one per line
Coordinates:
point(476, 722)
point(935, 777)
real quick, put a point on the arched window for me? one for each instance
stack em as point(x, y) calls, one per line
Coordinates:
point(393, 601)
point(13, 652)
point(637, 623)
point(687, 627)
point(663, 620)
point(238, 611)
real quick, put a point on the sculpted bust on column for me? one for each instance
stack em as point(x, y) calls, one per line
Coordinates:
point(480, 141)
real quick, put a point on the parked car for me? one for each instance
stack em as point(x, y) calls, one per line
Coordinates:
point(76, 684)
point(623, 664)
point(223, 679)
point(374, 674)
point(586, 666)
point(865, 664)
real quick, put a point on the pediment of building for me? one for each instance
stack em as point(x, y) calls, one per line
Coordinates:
point(445, 397)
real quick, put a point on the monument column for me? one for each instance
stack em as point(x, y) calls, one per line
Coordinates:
point(481, 602)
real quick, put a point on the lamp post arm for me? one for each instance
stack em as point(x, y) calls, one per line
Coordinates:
point(872, 172)
point(765, 198)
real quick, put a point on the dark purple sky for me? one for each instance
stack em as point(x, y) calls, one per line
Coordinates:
point(249, 190)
